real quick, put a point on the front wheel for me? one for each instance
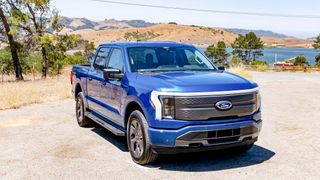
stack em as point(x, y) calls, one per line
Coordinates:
point(139, 148)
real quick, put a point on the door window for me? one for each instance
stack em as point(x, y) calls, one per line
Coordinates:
point(116, 60)
point(101, 58)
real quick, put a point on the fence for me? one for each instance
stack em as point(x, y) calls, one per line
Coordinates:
point(283, 68)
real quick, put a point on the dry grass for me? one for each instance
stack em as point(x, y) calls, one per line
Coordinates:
point(17, 94)
point(240, 70)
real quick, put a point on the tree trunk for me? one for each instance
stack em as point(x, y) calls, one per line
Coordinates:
point(13, 48)
point(16, 63)
point(44, 63)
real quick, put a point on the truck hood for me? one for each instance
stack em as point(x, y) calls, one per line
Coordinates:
point(195, 81)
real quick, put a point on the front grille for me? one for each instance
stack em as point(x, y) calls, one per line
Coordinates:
point(203, 108)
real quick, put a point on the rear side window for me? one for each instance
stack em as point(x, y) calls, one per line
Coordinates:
point(101, 58)
point(116, 59)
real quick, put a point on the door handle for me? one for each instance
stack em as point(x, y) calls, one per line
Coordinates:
point(103, 83)
point(90, 79)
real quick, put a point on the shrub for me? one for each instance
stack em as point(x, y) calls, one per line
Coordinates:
point(218, 53)
point(138, 36)
point(259, 65)
point(31, 62)
point(301, 61)
point(236, 61)
point(318, 60)
point(6, 66)
point(76, 58)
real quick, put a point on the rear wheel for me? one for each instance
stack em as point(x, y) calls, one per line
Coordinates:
point(82, 120)
point(138, 145)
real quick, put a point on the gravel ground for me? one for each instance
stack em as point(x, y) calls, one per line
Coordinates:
point(43, 141)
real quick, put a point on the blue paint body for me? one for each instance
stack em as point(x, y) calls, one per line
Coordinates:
point(110, 99)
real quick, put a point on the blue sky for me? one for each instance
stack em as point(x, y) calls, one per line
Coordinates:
point(299, 27)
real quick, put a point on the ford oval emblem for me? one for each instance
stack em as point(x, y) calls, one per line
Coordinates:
point(223, 105)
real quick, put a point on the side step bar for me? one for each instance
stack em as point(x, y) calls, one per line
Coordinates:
point(106, 125)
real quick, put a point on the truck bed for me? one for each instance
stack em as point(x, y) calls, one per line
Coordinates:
point(81, 69)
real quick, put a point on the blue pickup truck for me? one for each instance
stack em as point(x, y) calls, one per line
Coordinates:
point(166, 97)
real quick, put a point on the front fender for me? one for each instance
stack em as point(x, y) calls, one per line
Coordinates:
point(130, 99)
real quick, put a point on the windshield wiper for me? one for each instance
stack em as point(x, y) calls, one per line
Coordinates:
point(172, 70)
point(153, 70)
point(195, 70)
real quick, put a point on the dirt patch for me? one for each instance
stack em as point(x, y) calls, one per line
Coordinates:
point(72, 151)
point(19, 122)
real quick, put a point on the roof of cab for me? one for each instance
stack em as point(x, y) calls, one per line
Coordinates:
point(146, 44)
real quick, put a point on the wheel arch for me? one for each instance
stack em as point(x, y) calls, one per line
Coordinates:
point(131, 106)
point(77, 89)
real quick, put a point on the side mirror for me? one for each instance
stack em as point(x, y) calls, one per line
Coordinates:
point(221, 68)
point(112, 74)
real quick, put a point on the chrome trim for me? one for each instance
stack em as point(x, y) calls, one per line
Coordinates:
point(158, 106)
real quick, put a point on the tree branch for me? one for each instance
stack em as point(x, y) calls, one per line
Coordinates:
point(33, 18)
point(12, 5)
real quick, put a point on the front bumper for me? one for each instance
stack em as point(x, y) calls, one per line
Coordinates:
point(205, 137)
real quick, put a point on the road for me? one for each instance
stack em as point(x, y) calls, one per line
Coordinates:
point(43, 141)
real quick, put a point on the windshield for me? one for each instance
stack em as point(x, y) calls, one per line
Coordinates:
point(149, 59)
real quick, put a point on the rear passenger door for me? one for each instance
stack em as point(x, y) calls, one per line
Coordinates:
point(96, 79)
point(112, 91)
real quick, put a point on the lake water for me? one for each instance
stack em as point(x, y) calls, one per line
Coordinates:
point(282, 54)
point(270, 54)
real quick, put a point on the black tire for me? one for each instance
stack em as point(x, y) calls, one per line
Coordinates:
point(136, 139)
point(82, 120)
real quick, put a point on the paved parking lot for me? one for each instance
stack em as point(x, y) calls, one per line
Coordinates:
point(43, 141)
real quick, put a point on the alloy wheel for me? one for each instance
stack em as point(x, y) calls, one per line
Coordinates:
point(136, 139)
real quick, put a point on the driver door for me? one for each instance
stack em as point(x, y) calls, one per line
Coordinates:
point(95, 78)
point(112, 91)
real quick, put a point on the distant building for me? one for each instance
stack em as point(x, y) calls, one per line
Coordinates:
point(278, 45)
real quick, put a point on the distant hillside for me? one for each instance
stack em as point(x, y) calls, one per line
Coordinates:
point(260, 33)
point(200, 36)
point(73, 24)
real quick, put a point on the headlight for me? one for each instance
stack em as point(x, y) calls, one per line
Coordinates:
point(167, 107)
